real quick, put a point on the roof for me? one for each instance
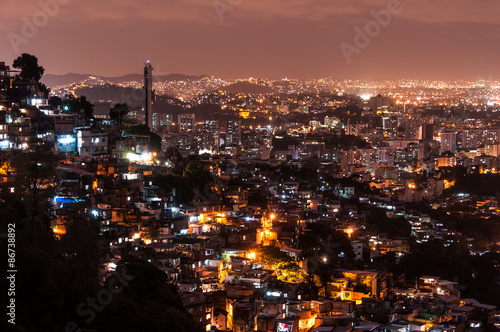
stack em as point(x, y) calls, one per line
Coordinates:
point(74, 170)
point(294, 250)
point(478, 304)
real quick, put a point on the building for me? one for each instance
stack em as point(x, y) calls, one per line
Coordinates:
point(148, 91)
point(448, 141)
point(426, 131)
point(91, 142)
point(233, 132)
point(161, 120)
point(101, 110)
point(379, 104)
point(186, 123)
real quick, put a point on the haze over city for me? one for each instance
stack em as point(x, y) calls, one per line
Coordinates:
point(270, 39)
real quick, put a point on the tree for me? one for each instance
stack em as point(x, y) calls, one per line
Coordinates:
point(173, 155)
point(30, 70)
point(153, 231)
point(154, 139)
point(258, 199)
point(34, 171)
point(119, 112)
point(55, 101)
point(78, 105)
point(285, 267)
point(27, 85)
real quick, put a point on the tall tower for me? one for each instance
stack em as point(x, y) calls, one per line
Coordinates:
point(148, 92)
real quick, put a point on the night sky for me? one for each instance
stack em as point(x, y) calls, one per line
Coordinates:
point(426, 39)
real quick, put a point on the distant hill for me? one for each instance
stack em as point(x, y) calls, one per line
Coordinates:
point(246, 87)
point(52, 80)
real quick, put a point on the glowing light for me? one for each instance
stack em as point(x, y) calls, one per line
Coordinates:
point(66, 140)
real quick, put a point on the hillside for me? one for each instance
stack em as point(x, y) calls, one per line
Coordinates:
point(52, 80)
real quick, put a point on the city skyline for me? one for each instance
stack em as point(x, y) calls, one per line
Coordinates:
point(235, 39)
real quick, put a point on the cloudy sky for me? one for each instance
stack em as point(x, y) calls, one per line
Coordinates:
point(425, 39)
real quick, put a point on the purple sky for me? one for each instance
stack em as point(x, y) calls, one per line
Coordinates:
point(428, 39)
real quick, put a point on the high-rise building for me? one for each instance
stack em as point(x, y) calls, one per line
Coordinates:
point(233, 132)
point(161, 120)
point(379, 104)
point(448, 141)
point(426, 131)
point(4, 80)
point(148, 92)
point(186, 122)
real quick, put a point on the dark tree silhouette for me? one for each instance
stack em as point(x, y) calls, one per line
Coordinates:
point(119, 112)
point(30, 70)
point(78, 105)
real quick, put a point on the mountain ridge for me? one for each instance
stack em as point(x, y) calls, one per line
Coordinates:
point(52, 80)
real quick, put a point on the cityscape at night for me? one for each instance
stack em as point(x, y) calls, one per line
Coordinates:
point(227, 165)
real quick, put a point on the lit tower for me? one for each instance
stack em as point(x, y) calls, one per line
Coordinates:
point(148, 92)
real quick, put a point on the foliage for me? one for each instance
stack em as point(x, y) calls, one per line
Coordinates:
point(147, 303)
point(153, 231)
point(258, 199)
point(378, 222)
point(119, 111)
point(173, 155)
point(285, 267)
point(455, 263)
point(194, 181)
point(154, 139)
point(478, 184)
point(30, 70)
point(55, 101)
point(321, 241)
point(78, 105)
point(35, 171)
